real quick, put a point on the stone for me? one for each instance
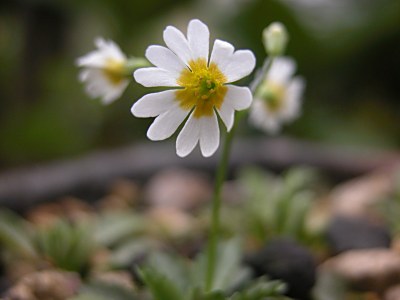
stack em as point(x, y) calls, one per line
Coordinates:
point(115, 278)
point(45, 285)
point(285, 259)
point(358, 197)
point(392, 293)
point(70, 208)
point(124, 194)
point(178, 188)
point(366, 270)
point(348, 233)
point(170, 222)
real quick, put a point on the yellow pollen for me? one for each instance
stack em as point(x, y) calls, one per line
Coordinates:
point(202, 88)
point(273, 95)
point(114, 71)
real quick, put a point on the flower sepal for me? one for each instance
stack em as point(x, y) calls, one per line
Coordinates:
point(134, 63)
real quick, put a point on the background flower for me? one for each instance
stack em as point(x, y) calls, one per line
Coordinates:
point(278, 98)
point(104, 71)
point(203, 88)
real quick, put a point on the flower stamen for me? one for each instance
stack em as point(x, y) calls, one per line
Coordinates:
point(114, 71)
point(273, 95)
point(203, 88)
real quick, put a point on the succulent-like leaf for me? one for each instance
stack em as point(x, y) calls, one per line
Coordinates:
point(229, 270)
point(262, 289)
point(114, 228)
point(104, 291)
point(160, 286)
point(68, 246)
point(14, 235)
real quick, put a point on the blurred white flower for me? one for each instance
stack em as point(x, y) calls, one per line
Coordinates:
point(104, 71)
point(201, 88)
point(278, 97)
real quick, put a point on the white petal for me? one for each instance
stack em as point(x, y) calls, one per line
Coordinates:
point(263, 119)
point(151, 77)
point(257, 113)
point(152, 105)
point(188, 137)
point(296, 87)
point(164, 58)
point(198, 37)
point(94, 59)
point(84, 75)
point(209, 135)
point(240, 64)
point(115, 93)
point(293, 99)
point(176, 41)
point(282, 70)
point(98, 85)
point(98, 58)
point(166, 124)
point(238, 97)
point(110, 49)
point(221, 53)
point(227, 114)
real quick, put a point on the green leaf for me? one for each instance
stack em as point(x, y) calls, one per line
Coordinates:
point(198, 294)
point(172, 267)
point(299, 178)
point(14, 235)
point(123, 255)
point(262, 289)
point(160, 286)
point(68, 246)
point(105, 291)
point(114, 228)
point(229, 270)
point(329, 286)
point(296, 220)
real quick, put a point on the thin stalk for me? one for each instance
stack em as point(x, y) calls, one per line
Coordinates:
point(216, 206)
point(219, 180)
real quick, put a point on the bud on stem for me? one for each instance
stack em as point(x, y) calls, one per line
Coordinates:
point(275, 38)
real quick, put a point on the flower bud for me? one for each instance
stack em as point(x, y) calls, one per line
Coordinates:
point(275, 38)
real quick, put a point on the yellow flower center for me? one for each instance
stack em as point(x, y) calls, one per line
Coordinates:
point(114, 71)
point(273, 95)
point(203, 88)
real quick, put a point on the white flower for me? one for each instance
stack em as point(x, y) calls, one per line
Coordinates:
point(201, 88)
point(278, 98)
point(104, 71)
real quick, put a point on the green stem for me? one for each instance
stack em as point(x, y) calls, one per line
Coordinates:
point(216, 205)
point(134, 63)
point(219, 180)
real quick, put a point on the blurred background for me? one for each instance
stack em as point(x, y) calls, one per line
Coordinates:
point(348, 51)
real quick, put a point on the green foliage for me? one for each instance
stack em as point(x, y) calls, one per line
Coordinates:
point(161, 286)
point(104, 291)
point(262, 289)
point(229, 272)
point(68, 246)
point(330, 286)
point(125, 252)
point(172, 277)
point(278, 206)
point(164, 288)
point(15, 235)
point(112, 229)
point(188, 276)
